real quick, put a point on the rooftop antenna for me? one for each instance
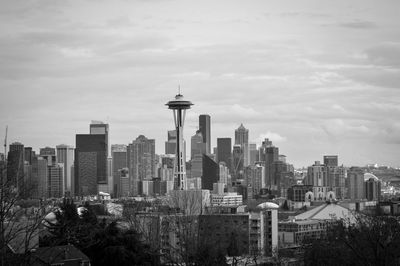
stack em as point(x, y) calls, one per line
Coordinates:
point(179, 89)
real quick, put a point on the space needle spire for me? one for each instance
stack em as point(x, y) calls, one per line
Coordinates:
point(179, 106)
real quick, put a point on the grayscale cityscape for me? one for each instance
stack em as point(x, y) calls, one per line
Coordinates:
point(199, 132)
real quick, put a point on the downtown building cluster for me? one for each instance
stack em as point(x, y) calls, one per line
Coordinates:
point(237, 191)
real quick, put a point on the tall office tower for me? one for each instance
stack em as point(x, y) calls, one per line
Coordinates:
point(99, 128)
point(42, 178)
point(316, 175)
point(355, 178)
point(141, 161)
point(268, 154)
point(196, 169)
point(56, 180)
point(237, 159)
point(15, 165)
point(224, 152)
point(254, 176)
point(210, 173)
point(372, 187)
point(170, 144)
point(197, 145)
point(331, 160)
point(166, 170)
point(65, 155)
point(90, 163)
point(205, 129)
point(250, 154)
point(49, 154)
point(179, 107)
point(241, 135)
point(224, 174)
point(28, 153)
point(119, 161)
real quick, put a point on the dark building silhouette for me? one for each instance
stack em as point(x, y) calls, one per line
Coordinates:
point(224, 151)
point(205, 129)
point(15, 165)
point(331, 160)
point(268, 154)
point(210, 173)
point(119, 161)
point(90, 163)
point(170, 144)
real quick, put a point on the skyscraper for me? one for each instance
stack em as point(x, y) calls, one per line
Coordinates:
point(237, 158)
point(49, 154)
point(99, 128)
point(119, 161)
point(356, 188)
point(210, 173)
point(90, 163)
point(42, 177)
point(241, 136)
point(268, 155)
point(205, 129)
point(179, 107)
point(65, 155)
point(15, 165)
point(170, 144)
point(331, 160)
point(197, 145)
point(224, 151)
point(141, 161)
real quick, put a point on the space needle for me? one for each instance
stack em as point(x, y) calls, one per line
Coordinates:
point(179, 106)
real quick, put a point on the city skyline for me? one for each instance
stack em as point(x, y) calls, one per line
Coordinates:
point(317, 78)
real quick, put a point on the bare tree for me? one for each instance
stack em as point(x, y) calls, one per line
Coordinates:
point(19, 224)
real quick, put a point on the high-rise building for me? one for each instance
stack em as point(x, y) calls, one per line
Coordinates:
point(268, 154)
point(99, 128)
point(119, 161)
point(196, 169)
point(316, 175)
point(179, 107)
point(237, 159)
point(254, 176)
point(224, 151)
point(28, 154)
point(49, 154)
point(170, 144)
point(65, 155)
point(331, 160)
point(210, 173)
point(250, 154)
point(141, 161)
point(90, 163)
point(15, 165)
point(56, 180)
point(372, 187)
point(197, 145)
point(42, 178)
point(355, 178)
point(205, 129)
point(241, 136)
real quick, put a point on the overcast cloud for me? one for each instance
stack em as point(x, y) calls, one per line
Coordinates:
point(316, 77)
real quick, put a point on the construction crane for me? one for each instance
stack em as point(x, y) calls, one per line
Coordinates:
point(5, 144)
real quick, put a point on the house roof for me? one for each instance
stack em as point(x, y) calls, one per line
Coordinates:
point(58, 254)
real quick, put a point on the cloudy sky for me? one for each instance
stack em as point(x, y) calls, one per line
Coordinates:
point(316, 77)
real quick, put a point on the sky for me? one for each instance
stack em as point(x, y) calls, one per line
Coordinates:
point(315, 77)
